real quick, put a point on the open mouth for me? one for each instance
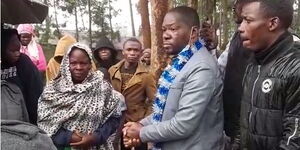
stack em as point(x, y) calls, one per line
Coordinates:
point(245, 40)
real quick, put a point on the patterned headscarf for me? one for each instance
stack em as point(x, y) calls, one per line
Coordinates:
point(81, 107)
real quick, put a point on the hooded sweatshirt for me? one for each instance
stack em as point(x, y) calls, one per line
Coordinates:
point(61, 48)
point(104, 42)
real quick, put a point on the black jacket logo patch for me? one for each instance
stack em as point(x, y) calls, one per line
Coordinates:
point(267, 86)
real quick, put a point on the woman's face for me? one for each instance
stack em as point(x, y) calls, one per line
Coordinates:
point(104, 54)
point(13, 50)
point(80, 65)
point(25, 38)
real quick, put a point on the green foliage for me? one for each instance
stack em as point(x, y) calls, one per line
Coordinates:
point(48, 50)
point(102, 13)
point(180, 2)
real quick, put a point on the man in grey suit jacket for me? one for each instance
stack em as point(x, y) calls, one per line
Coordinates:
point(192, 113)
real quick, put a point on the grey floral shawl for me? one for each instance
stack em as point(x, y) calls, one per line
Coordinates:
point(81, 107)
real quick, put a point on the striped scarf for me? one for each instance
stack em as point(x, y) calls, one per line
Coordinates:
point(166, 79)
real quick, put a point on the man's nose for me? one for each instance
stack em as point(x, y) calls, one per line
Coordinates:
point(241, 27)
point(166, 36)
point(78, 66)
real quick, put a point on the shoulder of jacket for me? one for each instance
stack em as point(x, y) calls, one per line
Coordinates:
point(113, 68)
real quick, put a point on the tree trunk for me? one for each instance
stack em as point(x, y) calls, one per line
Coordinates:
point(46, 35)
point(82, 12)
point(146, 32)
point(214, 18)
point(208, 10)
point(171, 4)
point(131, 17)
point(56, 20)
point(90, 22)
point(76, 22)
point(159, 9)
point(193, 4)
point(225, 24)
point(297, 19)
point(200, 11)
point(110, 17)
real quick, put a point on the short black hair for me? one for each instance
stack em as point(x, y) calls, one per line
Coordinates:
point(283, 9)
point(188, 15)
point(132, 39)
point(6, 35)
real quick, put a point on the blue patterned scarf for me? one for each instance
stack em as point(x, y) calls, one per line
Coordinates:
point(166, 79)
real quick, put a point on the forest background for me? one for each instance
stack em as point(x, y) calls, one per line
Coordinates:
point(97, 18)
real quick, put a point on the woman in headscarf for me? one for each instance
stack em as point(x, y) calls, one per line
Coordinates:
point(78, 108)
point(30, 47)
point(61, 48)
point(54, 63)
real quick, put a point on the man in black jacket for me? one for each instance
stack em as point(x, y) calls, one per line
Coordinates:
point(270, 107)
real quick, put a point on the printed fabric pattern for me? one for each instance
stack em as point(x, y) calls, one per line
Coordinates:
point(82, 107)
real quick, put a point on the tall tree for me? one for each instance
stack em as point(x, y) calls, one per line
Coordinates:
point(131, 18)
point(296, 25)
point(208, 8)
point(214, 17)
point(110, 17)
point(146, 32)
point(71, 7)
point(180, 2)
point(76, 21)
point(55, 5)
point(159, 9)
point(193, 4)
point(102, 13)
point(171, 4)
point(46, 36)
point(225, 24)
point(90, 23)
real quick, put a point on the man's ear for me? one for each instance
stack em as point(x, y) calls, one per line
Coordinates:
point(274, 23)
point(194, 34)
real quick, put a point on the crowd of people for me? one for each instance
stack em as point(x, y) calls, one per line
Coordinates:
point(248, 98)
